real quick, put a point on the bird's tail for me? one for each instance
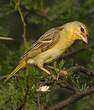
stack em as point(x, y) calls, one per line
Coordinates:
point(20, 66)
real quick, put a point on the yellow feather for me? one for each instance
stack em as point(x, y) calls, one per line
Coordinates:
point(20, 66)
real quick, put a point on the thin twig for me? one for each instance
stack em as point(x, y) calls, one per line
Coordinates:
point(38, 102)
point(82, 69)
point(72, 99)
point(6, 38)
point(23, 22)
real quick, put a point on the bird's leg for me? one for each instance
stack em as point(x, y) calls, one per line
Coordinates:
point(45, 70)
point(40, 65)
point(54, 76)
point(52, 67)
point(61, 72)
point(42, 68)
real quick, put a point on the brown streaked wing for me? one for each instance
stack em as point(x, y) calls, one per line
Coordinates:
point(45, 42)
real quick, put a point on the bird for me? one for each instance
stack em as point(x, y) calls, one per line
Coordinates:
point(51, 45)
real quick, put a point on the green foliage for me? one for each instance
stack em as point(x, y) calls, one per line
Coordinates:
point(20, 92)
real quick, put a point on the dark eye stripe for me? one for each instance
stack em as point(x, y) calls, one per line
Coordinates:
point(82, 30)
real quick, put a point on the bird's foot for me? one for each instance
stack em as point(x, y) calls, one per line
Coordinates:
point(63, 73)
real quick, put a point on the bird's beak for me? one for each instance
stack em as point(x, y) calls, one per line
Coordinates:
point(85, 39)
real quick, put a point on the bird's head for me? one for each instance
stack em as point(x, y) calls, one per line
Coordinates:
point(78, 30)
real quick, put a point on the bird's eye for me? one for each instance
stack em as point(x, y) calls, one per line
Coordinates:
point(82, 30)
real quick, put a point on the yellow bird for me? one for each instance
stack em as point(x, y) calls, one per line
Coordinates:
point(51, 45)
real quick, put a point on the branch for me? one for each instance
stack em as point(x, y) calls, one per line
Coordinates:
point(6, 38)
point(79, 50)
point(72, 99)
point(82, 69)
point(18, 2)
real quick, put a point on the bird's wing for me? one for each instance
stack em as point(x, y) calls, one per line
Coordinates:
point(45, 42)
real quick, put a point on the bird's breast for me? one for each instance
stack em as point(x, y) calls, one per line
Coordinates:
point(54, 52)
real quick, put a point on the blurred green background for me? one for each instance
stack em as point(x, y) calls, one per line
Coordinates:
point(19, 93)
